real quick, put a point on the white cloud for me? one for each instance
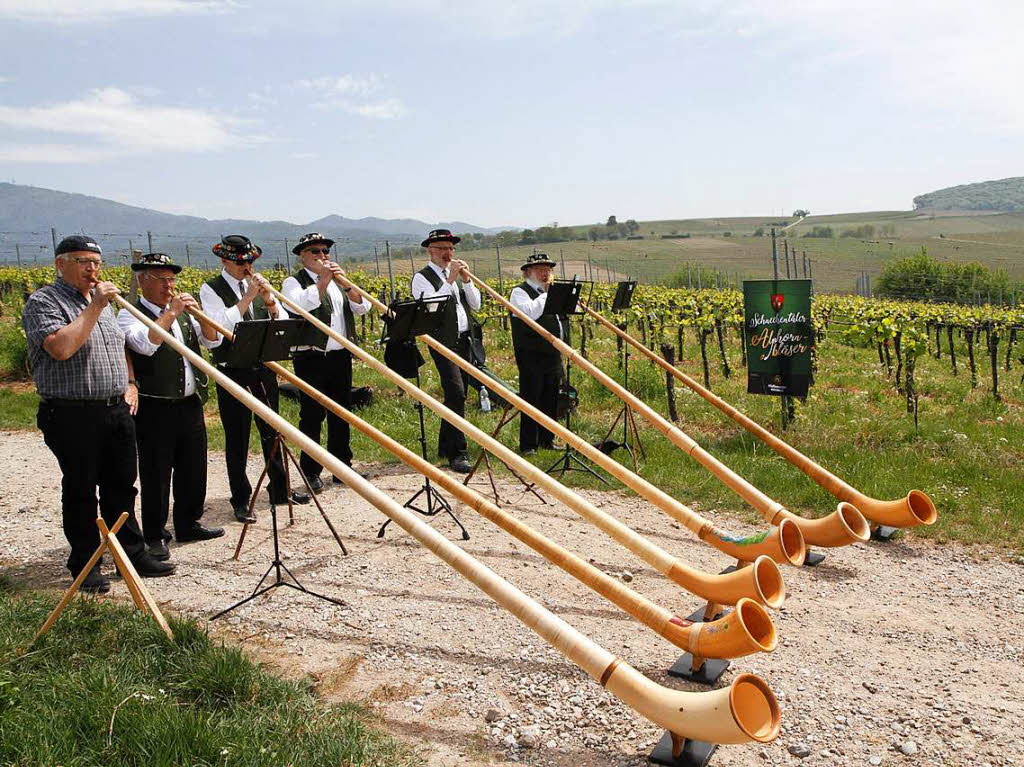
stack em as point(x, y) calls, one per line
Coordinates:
point(75, 11)
point(352, 93)
point(117, 124)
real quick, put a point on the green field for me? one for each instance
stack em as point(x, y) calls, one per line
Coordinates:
point(994, 240)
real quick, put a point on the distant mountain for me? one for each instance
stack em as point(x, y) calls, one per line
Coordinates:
point(1005, 195)
point(27, 213)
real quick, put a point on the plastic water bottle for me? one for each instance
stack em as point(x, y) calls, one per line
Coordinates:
point(485, 400)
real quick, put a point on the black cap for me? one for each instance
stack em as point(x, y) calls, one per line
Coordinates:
point(156, 261)
point(537, 259)
point(77, 242)
point(237, 247)
point(440, 235)
point(313, 238)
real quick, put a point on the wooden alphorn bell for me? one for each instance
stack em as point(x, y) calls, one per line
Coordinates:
point(744, 711)
point(844, 526)
point(746, 630)
point(916, 509)
point(783, 544)
point(761, 582)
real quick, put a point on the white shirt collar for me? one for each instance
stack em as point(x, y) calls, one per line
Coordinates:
point(232, 281)
point(312, 274)
point(533, 283)
point(439, 270)
point(157, 310)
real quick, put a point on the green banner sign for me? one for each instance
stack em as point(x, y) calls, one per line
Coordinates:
point(779, 336)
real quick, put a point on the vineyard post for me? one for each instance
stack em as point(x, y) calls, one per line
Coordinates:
point(810, 268)
point(53, 236)
point(287, 264)
point(133, 284)
point(607, 270)
point(785, 255)
point(501, 274)
point(188, 255)
point(805, 264)
point(689, 276)
point(795, 272)
point(590, 264)
point(376, 261)
point(775, 256)
point(149, 239)
point(391, 274)
point(17, 250)
point(561, 258)
point(670, 382)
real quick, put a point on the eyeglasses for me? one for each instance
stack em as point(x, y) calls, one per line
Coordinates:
point(320, 251)
point(97, 262)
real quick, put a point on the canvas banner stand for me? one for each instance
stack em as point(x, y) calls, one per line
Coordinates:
point(778, 335)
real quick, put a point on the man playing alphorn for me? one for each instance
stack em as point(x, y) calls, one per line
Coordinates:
point(86, 398)
point(234, 295)
point(169, 426)
point(444, 276)
point(323, 363)
point(539, 363)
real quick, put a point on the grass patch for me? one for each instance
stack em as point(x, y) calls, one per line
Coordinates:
point(106, 687)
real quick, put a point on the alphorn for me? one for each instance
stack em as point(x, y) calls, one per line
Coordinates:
point(761, 582)
point(746, 710)
point(916, 509)
point(784, 543)
point(745, 630)
point(843, 526)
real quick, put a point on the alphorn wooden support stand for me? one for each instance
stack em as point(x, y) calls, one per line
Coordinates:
point(694, 668)
point(675, 751)
point(140, 594)
point(507, 416)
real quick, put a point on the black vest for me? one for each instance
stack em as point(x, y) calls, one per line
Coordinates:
point(436, 282)
point(227, 295)
point(317, 337)
point(162, 374)
point(526, 339)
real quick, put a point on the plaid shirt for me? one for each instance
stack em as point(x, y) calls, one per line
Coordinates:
point(97, 370)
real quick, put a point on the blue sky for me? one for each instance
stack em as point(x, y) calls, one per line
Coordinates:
point(519, 113)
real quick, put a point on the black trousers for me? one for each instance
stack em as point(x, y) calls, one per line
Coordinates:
point(237, 421)
point(331, 373)
point(450, 441)
point(95, 448)
point(539, 378)
point(171, 436)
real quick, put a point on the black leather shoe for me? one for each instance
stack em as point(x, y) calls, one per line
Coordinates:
point(158, 550)
point(316, 484)
point(460, 464)
point(199, 533)
point(242, 514)
point(528, 452)
point(148, 567)
point(300, 497)
point(95, 582)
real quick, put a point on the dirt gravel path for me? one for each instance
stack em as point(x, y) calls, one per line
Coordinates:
point(899, 653)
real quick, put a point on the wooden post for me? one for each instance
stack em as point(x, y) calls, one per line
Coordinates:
point(669, 353)
point(133, 285)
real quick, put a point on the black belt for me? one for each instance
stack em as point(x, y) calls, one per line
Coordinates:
point(116, 399)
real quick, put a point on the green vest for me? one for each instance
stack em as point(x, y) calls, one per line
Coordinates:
point(162, 373)
point(227, 295)
point(317, 337)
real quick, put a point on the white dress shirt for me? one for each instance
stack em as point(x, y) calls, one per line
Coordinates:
point(309, 299)
point(421, 288)
point(229, 316)
point(136, 335)
point(533, 307)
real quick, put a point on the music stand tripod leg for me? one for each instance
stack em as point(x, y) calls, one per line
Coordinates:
point(316, 501)
point(252, 506)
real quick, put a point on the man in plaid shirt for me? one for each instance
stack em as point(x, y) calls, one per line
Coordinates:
point(77, 355)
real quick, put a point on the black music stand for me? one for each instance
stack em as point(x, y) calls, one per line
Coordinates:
point(408, 319)
point(630, 431)
point(563, 298)
point(256, 342)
